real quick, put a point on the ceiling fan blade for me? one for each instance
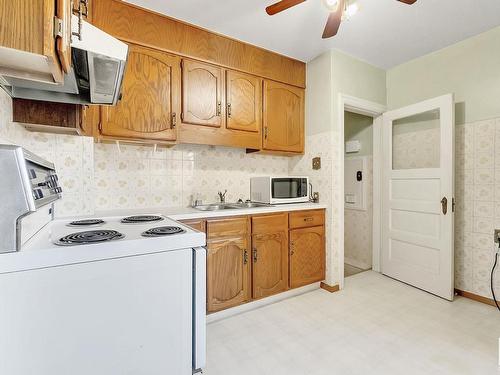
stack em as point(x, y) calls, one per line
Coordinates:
point(282, 5)
point(333, 22)
point(409, 2)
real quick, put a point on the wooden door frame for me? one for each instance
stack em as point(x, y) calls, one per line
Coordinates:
point(375, 110)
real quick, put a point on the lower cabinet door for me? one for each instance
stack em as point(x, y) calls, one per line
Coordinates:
point(228, 273)
point(269, 255)
point(307, 256)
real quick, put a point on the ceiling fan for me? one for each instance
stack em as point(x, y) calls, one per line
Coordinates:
point(337, 9)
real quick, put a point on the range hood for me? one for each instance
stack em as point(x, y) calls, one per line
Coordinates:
point(96, 75)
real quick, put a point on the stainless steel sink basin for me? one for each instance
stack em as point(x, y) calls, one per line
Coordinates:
point(226, 206)
point(249, 205)
point(213, 207)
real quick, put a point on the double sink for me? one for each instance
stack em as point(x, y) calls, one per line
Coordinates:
point(230, 206)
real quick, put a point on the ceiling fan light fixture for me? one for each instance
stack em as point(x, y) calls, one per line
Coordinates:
point(351, 10)
point(331, 5)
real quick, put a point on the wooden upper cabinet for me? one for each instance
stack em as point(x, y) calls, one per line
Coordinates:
point(63, 40)
point(283, 117)
point(201, 94)
point(243, 102)
point(269, 254)
point(307, 256)
point(30, 45)
point(149, 106)
point(228, 263)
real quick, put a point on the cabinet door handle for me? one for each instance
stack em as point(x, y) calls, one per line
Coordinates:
point(219, 108)
point(245, 256)
point(255, 255)
point(292, 248)
point(228, 109)
point(174, 120)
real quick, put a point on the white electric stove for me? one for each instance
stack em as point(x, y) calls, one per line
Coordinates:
point(112, 295)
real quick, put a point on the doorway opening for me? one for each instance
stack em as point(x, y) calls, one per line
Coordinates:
point(358, 193)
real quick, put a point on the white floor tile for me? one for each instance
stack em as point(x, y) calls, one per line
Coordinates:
point(376, 325)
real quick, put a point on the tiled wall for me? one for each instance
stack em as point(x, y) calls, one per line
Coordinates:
point(477, 193)
point(477, 190)
point(321, 180)
point(358, 227)
point(135, 176)
point(102, 176)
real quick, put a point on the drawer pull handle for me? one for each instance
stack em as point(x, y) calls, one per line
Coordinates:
point(308, 219)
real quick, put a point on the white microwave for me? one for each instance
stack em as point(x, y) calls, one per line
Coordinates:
point(278, 190)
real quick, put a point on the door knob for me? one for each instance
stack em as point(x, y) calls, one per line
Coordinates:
point(444, 205)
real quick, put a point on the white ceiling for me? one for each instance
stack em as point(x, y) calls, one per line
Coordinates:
point(384, 33)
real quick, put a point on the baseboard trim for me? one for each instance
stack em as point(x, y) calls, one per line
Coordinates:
point(216, 316)
point(475, 297)
point(329, 288)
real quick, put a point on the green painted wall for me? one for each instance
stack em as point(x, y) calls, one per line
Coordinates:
point(470, 69)
point(353, 77)
point(319, 95)
point(359, 128)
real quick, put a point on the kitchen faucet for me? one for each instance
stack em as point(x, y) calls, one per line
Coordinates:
point(222, 196)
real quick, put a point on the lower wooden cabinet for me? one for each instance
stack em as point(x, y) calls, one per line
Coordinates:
point(196, 224)
point(307, 256)
point(228, 263)
point(269, 254)
point(253, 257)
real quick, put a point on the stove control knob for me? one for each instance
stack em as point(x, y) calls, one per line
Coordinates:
point(32, 174)
point(38, 193)
point(58, 190)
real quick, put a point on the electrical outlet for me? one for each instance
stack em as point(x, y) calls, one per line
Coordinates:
point(497, 233)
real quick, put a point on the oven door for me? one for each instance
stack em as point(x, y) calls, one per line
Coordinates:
point(289, 190)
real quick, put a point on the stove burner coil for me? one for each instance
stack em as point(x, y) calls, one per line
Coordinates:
point(162, 231)
point(86, 222)
point(141, 219)
point(89, 237)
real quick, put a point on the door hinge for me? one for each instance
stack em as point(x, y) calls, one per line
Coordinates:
point(453, 204)
point(58, 27)
point(174, 120)
point(265, 132)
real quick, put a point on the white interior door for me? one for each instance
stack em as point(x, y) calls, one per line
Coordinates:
point(417, 195)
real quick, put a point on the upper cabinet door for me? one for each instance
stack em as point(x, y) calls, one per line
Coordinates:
point(243, 102)
point(283, 117)
point(63, 11)
point(201, 94)
point(149, 106)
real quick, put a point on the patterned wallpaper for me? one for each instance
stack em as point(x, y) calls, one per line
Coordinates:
point(477, 193)
point(323, 145)
point(358, 227)
point(102, 176)
point(418, 149)
point(99, 176)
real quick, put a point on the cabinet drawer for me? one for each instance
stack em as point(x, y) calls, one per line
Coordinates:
point(196, 224)
point(304, 219)
point(227, 227)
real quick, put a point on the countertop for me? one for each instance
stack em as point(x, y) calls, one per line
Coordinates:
point(186, 213)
